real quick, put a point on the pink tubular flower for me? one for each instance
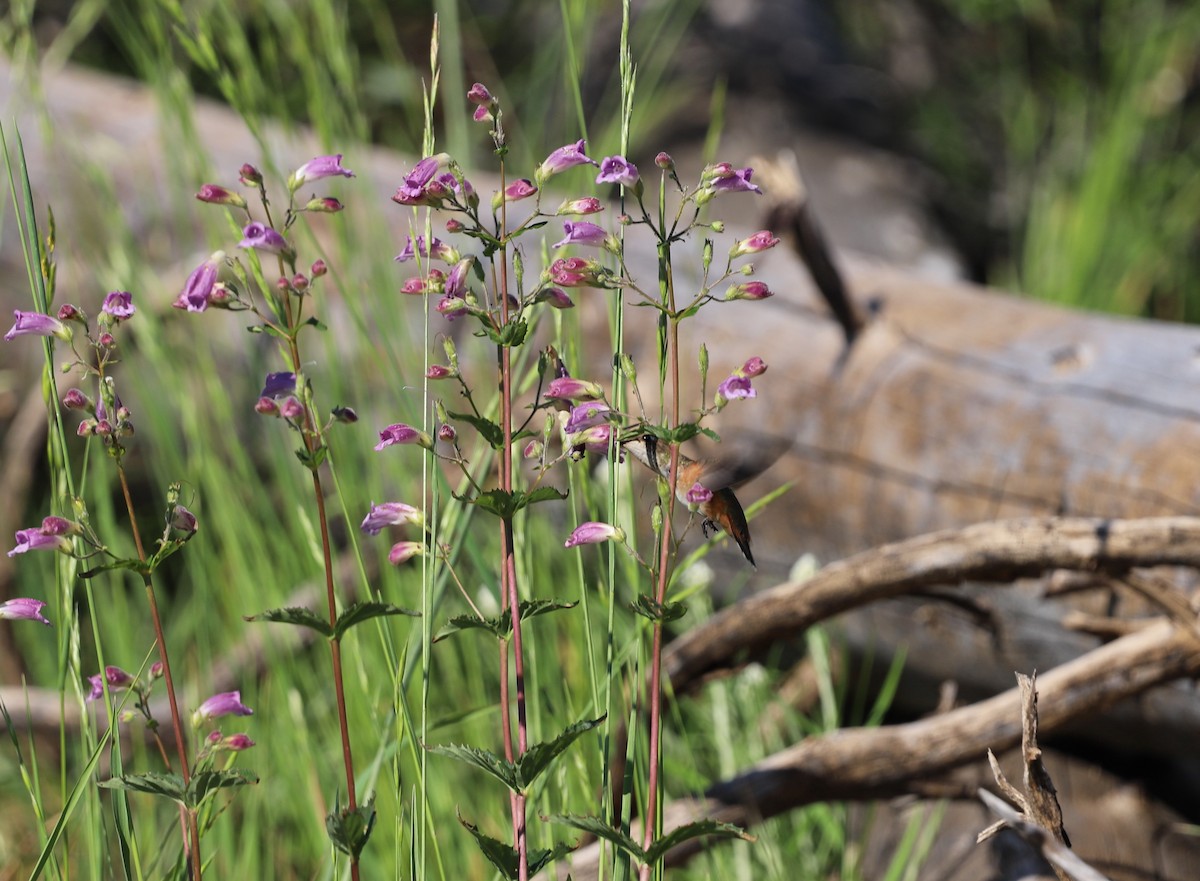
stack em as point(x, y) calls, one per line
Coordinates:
point(235, 743)
point(403, 551)
point(751, 290)
point(227, 703)
point(324, 205)
point(585, 205)
point(183, 520)
point(291, 409)
point(23, 609)
point(563, 158)
point(698, 494)
point(399, 433)
point(735, 387)
point(594, 439)
point(51, 535)
point(479, 95)
point(664, 161)
point(438, 250)
point(592, 533)
point(453, 308)
point(119, 305)
point(390, 514)
point(117, 678)
point(26, 323)
point(514, 192)
point(217, 195)
point(760, 241)
point(571, 389)
point(582, 233)
point(456, 281)
point(724, 178)
point(412, 191)
point(74, 399)
point(556, 297)
point(755, 366)
point(315, 169)
point(439, 371)
point(575, 272)
point(617, 170)
point(261, 237)
point(198, 289)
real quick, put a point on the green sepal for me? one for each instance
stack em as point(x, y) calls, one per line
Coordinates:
point(349, 830)
point(488, 430)
point(501, 625)
point(358, 612)
point(648, 607)
point(297, 615)
point(509, 335)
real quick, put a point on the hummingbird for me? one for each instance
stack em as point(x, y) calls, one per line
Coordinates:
point(723, 511)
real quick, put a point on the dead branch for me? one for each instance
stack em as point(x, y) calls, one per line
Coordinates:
point(996, 552)
point(1055, 852)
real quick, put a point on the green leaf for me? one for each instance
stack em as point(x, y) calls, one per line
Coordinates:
point(648, 607)
point(312, 461)
point(539, 858)
point(501, 855)
point(510, 335)
point(349, 830)
point(600, 829)
point(505, 505)
point(482, 759)
point(357, 613)
point(297, 615)
point(316, 323)
point(501, 625)
point(677, 435)
point(539, 756)
point(132, 565)
point(699, 829)
point(153, 783)
point(205, 783)
point(488, 430)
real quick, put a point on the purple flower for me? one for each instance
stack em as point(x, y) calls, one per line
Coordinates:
point(755, 366)
point(278, 384)
point(594, 439)
point(234, 742)
point(117, 678)
point(724, 178)
point(735, 387)
point(760, 241)
point(587, 415)
point(698, 494)
point(119, 304)
point(403, 551)
point(412, 191)
point(261, 237)
point(447, 433)
point(198, 289)
point(183, 520)
point(456, 281)
point(37, 540)
point(291, 409)
point(216, 195)
point(592, 533)
point(582, 233)
point(74, 399)
point(58, 526)
point(36, 323)
point(439, 250)
point(575, 272)
point(23, 609)
point(571, 389)
point(227, 703)
point(315, 169)
point(440, 371)
point(563, 158)
point(399, 433)
point(390, 514)
point(617, 170)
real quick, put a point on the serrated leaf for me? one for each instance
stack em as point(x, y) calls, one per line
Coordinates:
point(488, 430)
point(676, 435)
point(501, 625)
point(648, 607)
point(482, 759)
point(510, 335)
point(539, 858)
point(538, 757)
point(699, 829)
point(312, 461)
point(205, 783)
point(501, 855)
point(297, 615)
point(349, 830)
point(601, 829)
point(357, 613)
point(544, 494)
point(505, 505)
point(153, 783)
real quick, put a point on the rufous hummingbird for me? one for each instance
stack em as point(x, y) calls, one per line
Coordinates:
point(723, 511)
